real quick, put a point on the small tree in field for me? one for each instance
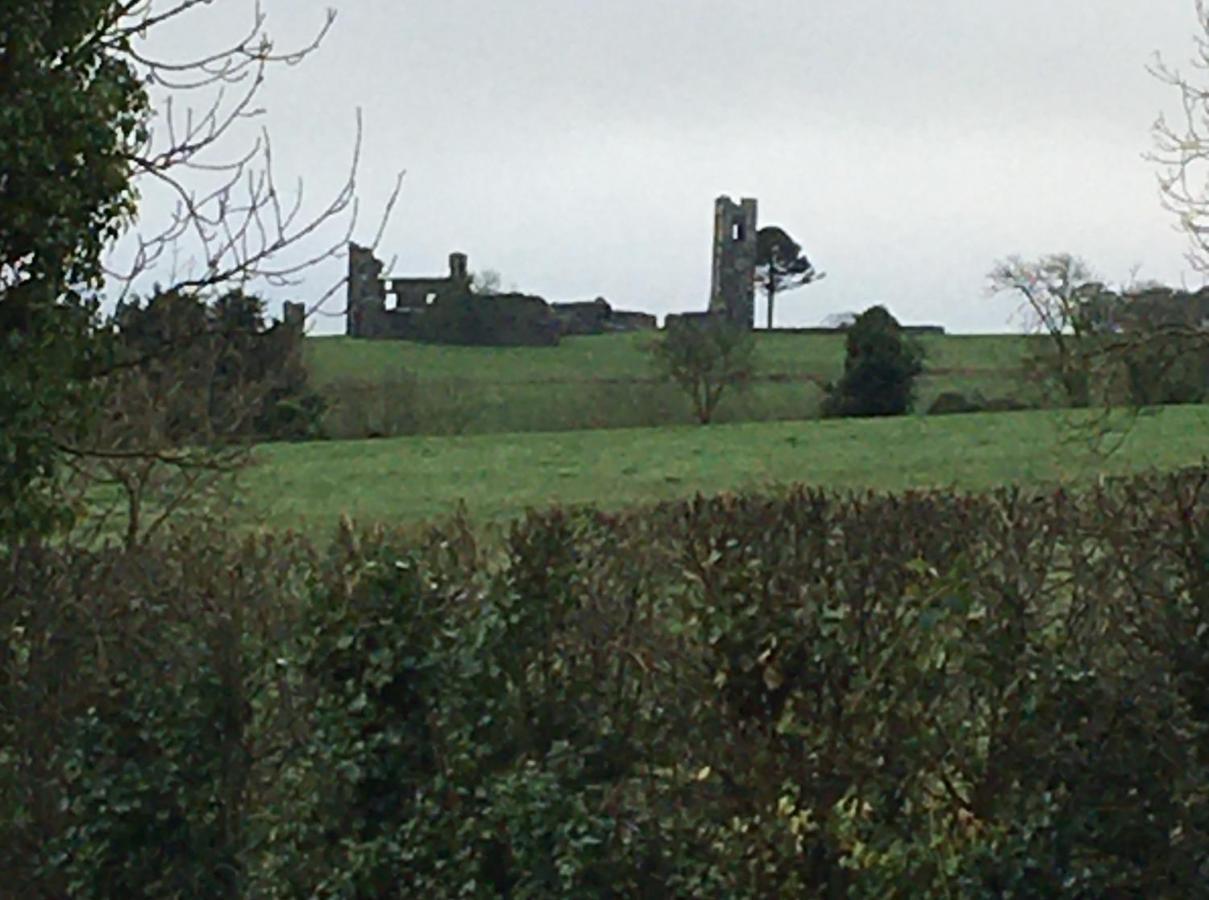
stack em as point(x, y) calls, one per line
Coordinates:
point(879, 369)
point(704, 358)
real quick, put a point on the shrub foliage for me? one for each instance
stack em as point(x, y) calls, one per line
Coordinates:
point(223, 369)
point(705, 356)
point(804, 694)
point(880, 367)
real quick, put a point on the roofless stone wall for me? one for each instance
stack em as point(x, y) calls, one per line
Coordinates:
point(733, 286)
point(446, 310)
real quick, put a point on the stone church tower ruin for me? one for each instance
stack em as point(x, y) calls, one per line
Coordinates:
point(733, 288)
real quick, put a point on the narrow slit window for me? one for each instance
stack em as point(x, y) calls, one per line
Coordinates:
point(428, 298)
point(736, 231)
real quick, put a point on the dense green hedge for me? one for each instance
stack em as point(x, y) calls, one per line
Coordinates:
point(797, 695)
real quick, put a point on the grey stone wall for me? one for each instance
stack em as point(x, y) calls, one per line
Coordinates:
point(628, 320)
point(584, 317)
point(423, 309)
point(598, 317)
point(392, 308)
point(366, 293)
point(733, 287)
point(490, 320)
point(671, 320)
point(293, 315)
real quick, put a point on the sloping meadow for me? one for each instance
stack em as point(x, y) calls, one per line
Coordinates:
point(806, 694)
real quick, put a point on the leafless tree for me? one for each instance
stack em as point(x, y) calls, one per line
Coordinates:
point(1182, 155)
point(1182, 148)
point(239, 225)
point(705, 357)
point(142, 468)
point(231, 222)
point(1119, 350)
point(1056, 294)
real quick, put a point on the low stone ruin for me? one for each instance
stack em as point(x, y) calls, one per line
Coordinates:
point(598, 317)
point(446, 310)
point(393, 307)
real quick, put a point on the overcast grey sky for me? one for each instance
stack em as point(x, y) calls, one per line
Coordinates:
point(577, 146)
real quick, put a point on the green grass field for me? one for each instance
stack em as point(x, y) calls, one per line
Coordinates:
point(390, 388)
point(408, 480)
point(621, 357)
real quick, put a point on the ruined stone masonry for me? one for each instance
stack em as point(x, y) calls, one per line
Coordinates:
point(293, 315)
point(732, 292)
point(399, 308)
point(391, 307)
point(733, 287)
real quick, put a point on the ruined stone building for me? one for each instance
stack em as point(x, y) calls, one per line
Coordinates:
point(598, 317)
point(391, 307)
point(733, 286)
point(733, 283)
point(446, 310)
point(293, 315)
point(732, 292)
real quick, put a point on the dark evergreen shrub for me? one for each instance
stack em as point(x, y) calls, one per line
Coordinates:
point(880, 369)
point(248, 372)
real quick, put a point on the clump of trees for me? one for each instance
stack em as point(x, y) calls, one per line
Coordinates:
point(880, 368)
point(1167, 370)
point(224, 371)
point(91, 122)
point(193, 384)
point(1058, 295)
point(1138, 346)
point(705, 356)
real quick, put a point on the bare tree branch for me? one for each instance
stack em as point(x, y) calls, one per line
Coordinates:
point(240, 226)
point(1182, 150)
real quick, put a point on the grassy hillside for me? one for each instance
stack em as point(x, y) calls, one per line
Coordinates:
point(406, 480)
point(621, 357)
point(604, 381)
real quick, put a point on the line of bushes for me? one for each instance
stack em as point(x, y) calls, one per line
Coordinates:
point(805, 694)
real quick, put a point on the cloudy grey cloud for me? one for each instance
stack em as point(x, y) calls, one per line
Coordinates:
point(576, 146)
